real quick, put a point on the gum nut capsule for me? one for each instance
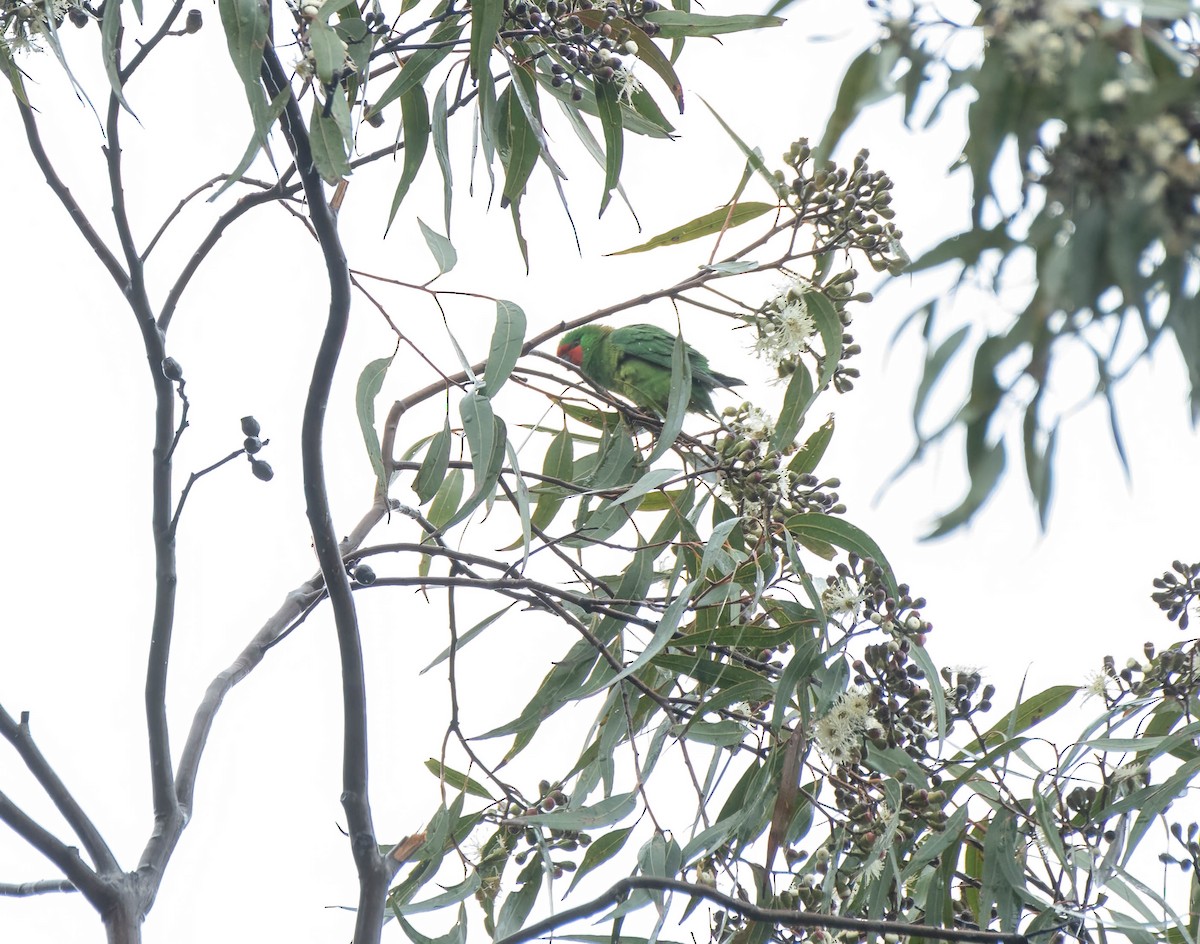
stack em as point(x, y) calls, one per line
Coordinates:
point(252, 444)
point(262, 470)
point(364, 574)
point(171, 369)
point(250, 426)
point(194, 21)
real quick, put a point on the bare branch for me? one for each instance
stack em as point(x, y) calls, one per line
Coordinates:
point(98, 246)
point(21, 738)
point(166, 812)
point(795, 919)
point(29, 889)
point(67, 858)
point(147, 47)
point(373, 872)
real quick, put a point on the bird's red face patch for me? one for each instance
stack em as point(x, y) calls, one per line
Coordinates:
point(572, 353)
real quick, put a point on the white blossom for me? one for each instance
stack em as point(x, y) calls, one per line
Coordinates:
point(785, 332)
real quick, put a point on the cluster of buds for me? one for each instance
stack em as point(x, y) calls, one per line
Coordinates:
point(1170, 674)
point(965, 692)
point(587, 40)
point(848, 209)
point(760, 487)
point(1191, 847)
point(536, 838)
point(1174, 592)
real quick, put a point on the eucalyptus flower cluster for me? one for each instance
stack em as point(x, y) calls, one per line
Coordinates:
point(587, 40)
point(1043, 39)
point(754, 479)
point(24, 24)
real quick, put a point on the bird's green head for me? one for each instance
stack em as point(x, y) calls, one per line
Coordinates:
point(573, 344)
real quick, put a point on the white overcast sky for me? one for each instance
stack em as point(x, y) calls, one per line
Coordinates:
point(263, 857)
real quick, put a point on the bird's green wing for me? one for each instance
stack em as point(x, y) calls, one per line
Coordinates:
point(651, 343)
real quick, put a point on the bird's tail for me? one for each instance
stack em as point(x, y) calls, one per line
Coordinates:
point(724, 380)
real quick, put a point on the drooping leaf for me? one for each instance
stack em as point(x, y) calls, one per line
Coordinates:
point(433, 468)
point(674, 23)
point(457, 780)
point(440, 246)
point(713, 222)
point(414, 116)
point(841, 533)
point(678, 398)
point(809, 455)
point(559, 463)
point(417, 66)
point(441, 149)
point(370, 382)
point(110, 34)
point(508, 337)
point(867, 81)
point(328, 144)
point(609, 108)
point(245, 23)
point(796, 400)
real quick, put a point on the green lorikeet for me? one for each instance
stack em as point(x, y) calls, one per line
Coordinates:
point(635, 362)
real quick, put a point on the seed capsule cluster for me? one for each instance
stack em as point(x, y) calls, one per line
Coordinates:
point(586, 39)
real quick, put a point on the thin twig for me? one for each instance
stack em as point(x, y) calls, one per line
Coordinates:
point(795, 919)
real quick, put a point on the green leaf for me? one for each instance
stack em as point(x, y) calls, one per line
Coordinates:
point(752, 156)
point(327, 49)
point(471, 633)
point(663, 633)
point(370, 382)
point(603, 848)
point(443, 250)
point(867, 80)
point(965, 247)
point(603, 813)
point(433, 468)
point(274, 110)
point(935, 363)
point(518, 904)
point(421, 63)
point(1033, 710)
point(559, 463)
point(13, 72)
point(414, 116)
point(507, 339)
point(245, 23)
point(486, 17)
point(442, 509)
point(445, 502)
point(796, 400)
point(441, 148)
point(843, 534)
point(459, 781)
point(720, 219)
point(521, 493)
point(487, 438)
point(986, 468)
point(110, 34)
point(631, 120)
point(829, 326)
point(1002, 877)
point(520, 156)
point(609, 108)
point(328, 145)
point(451, 896)
point(673, 23)
point(808, 456)
point(678, 398)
